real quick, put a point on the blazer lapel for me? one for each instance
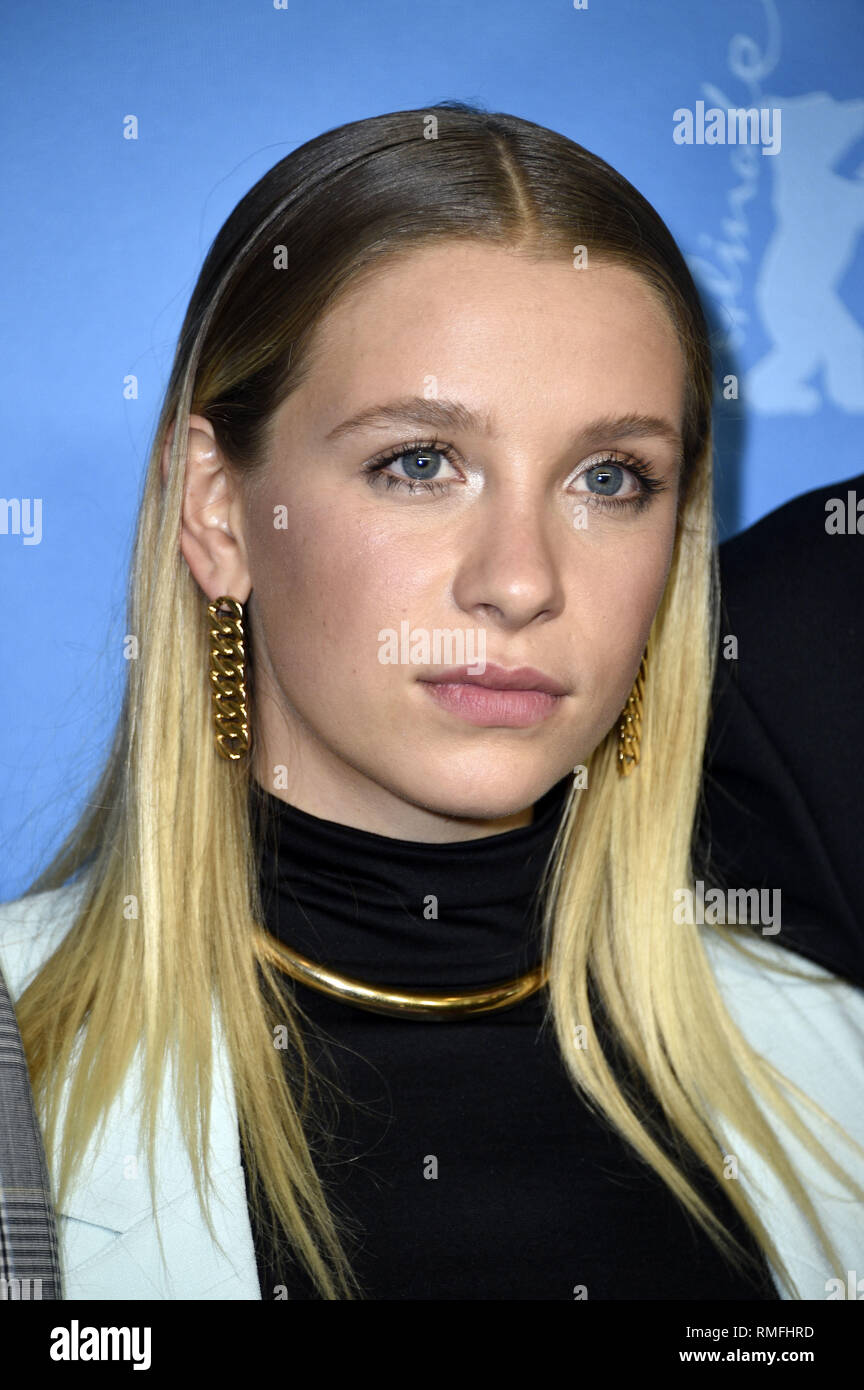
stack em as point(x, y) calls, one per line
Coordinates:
point(109, 1237)
point(107, 1234)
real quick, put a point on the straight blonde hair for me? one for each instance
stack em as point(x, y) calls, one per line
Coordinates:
point(169, 822)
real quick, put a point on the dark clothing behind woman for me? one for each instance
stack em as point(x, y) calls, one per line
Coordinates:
point(783, 787)
point(466, 1163)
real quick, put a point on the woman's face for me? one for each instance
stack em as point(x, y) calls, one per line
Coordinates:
point(517, 395)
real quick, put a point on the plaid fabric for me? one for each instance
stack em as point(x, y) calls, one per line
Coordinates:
point(29, 1264)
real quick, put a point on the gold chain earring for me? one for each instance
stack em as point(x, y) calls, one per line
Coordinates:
point(228, 678)
point(630, 725)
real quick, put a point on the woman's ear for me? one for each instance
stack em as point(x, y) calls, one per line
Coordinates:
point(211, 537)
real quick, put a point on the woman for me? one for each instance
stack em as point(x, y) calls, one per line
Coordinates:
point(424, 604)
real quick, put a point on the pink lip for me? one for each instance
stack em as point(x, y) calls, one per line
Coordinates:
point(498, 678)
point(509, 699)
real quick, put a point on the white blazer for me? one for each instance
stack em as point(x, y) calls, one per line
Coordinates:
point(812, 1029)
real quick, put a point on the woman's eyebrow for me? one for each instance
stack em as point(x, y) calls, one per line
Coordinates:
point(418, 410)
point(446, 414)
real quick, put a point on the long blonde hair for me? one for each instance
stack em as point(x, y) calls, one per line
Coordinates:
point(169, 822)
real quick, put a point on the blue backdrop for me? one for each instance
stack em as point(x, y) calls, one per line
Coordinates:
point(104, 236)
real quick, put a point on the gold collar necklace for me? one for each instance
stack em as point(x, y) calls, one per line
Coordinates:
point(441, 1005)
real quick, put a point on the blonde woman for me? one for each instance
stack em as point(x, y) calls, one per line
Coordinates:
point(366, 973)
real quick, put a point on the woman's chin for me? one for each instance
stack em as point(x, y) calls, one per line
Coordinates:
point(484, 795)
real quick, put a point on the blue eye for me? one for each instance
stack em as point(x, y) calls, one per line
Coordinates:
point(607, 476)
point(626, 484)
point(420, 463)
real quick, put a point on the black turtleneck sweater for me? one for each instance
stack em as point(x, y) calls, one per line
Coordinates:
point(462, 1158)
